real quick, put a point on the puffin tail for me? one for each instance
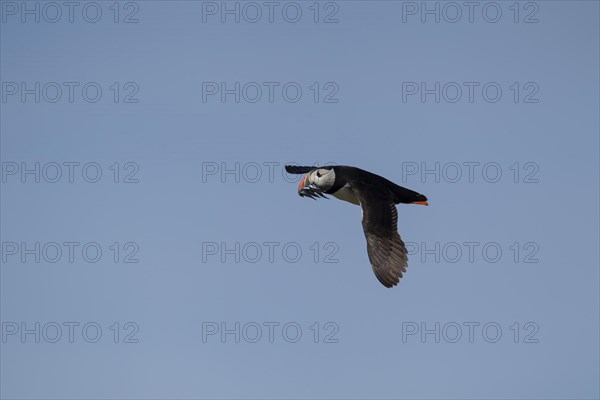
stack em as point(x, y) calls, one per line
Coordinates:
point(407, 196)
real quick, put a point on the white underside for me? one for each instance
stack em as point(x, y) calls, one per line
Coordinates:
point(346, 194)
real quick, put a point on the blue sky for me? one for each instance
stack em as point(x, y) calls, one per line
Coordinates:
point(142, 166)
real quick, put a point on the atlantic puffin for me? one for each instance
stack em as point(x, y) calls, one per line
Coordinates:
point(377, 197)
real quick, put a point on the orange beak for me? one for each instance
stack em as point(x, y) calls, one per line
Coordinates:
point(423, 203)
point(302, 183)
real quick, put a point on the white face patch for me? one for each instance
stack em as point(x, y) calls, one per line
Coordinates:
point(323, 178)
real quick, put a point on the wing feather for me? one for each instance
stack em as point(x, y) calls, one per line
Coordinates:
point(386, 250)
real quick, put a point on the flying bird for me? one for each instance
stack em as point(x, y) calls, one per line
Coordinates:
point(377, 197)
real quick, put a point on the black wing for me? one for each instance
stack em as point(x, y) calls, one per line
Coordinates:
point(386, 250)
point(295, 169)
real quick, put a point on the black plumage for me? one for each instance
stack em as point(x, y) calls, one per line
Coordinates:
point(377, 197)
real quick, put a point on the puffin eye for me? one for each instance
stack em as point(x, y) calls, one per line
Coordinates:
point(318, 174)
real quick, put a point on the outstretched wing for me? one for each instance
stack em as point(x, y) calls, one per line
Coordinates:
point(387, 253)
point(295, 169)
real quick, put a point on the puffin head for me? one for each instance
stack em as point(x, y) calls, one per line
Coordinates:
point(316, 182)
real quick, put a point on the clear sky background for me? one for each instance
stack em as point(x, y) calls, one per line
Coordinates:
point(174, 211)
